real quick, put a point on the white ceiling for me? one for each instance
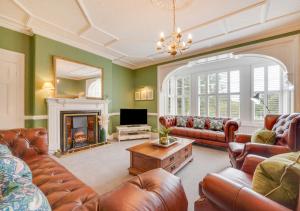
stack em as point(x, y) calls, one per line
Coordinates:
point(127, 31)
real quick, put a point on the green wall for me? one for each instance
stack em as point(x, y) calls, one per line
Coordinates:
point(123, 87)
point(39, 52)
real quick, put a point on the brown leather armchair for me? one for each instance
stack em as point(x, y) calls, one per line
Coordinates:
point(230, 190)
point(287, 128)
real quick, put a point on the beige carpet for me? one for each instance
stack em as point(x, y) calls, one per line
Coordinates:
point(105, 167)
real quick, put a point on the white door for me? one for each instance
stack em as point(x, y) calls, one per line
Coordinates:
point(11, 89)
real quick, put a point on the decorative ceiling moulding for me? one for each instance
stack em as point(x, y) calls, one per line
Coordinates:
point(15, 26)
point(165, 4)
point(270, 14)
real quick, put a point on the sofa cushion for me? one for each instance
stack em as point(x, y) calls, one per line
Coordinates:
point(199, 123)
point(278, 178)
point(235, 148)
point(283, 123)
point(198, 133)
point(20, 194)
point(264, 137)
point(4, 150)
point(181, 121)
point(11, 167)
point(216, 124)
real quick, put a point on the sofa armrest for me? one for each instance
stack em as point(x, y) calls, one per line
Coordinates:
point(242, 138)
point(228, 196)
point(230, 127)
point(270, 120)
point(167, 121)
point(251, 163)
point(152, 190)
point(265, 150)
point(25, 143)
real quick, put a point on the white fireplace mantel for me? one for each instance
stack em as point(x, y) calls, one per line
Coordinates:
point(56, 105)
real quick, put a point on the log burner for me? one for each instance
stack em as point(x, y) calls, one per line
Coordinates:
point(79, 129)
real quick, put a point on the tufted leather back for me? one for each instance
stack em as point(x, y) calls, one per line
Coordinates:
point(25, 143)
point(287, 128)
point(167, 121)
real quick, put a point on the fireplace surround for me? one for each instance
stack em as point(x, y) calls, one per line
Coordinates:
point(79, 130)
point(58, 105)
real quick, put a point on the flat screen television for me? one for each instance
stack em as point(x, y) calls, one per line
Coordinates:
point(133, 116)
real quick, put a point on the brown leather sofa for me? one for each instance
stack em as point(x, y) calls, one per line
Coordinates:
point(287, 128)
point(230, 190)
point(153, 190)
point(202, 136)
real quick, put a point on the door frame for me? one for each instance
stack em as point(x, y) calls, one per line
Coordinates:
point(19, 59)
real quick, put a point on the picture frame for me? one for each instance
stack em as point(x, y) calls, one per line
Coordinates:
point(143, 95)
point(150, 94)
point(137, 95)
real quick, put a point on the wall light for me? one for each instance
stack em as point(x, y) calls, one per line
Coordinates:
point(48, 86)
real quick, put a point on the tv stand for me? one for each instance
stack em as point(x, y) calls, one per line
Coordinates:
point(131, 132)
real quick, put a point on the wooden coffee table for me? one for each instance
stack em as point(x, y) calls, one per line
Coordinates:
point(145, 156)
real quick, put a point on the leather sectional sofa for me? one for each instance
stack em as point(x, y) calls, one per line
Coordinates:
point(203, 136)
point(153, 190)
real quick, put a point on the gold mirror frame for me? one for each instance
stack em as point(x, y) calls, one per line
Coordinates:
point(55, 58)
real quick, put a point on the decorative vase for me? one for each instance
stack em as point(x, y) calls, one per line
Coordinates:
point(164, 140)
point(102, 135)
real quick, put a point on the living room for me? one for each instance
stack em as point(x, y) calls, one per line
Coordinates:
point(194, 105)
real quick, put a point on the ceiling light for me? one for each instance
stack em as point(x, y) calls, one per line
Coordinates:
point(173, 44)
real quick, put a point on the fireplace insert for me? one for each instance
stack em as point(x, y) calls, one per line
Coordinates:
point(79, 129)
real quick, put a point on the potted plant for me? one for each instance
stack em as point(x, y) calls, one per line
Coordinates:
point(163, 135)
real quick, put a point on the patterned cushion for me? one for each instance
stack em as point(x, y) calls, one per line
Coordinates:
point(181, 121)
point(11, 166)
point(216, 124)
point(199, 123)
point(4, 150)
point(283, 123)
point(21, 194)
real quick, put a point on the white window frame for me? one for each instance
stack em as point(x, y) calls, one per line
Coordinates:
point(266, 91)
point(182, 96)
point(228, 94)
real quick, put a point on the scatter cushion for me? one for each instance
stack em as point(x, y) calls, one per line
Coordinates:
point(267, 178)
point(181, 121)
point(216, 124)
point(4, 150)
point(20, 194)
point(283, 123)
point(264, 137)
point(11, 166)
point(199, 123)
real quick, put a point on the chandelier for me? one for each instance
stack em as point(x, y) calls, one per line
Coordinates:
point(173, 44)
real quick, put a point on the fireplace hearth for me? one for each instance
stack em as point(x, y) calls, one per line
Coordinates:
point(79, 130)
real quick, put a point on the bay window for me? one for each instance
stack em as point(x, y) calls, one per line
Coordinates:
point(227, 92)
point(218, 94)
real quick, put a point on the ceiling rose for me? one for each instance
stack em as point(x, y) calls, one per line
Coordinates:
point(167, 4)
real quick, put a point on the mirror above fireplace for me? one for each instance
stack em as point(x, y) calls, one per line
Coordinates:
point(77, 80)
